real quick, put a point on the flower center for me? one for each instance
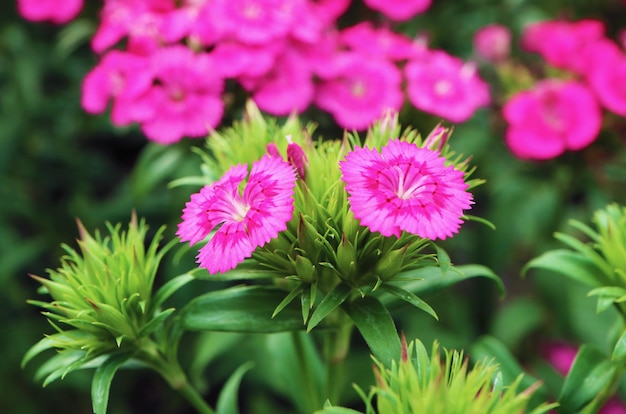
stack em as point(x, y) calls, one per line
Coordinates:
point(358, 89)
point(409, 188)
point(252, 11)
point(443, 87)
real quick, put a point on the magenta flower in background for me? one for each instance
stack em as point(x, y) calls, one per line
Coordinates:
point(445, 86)
point(613, 406)
point(140, 20)
point(493, 43)
point(551, 118)
point(405, 188)
point(561, 356)
point(185, 98)
point(607, 79)
point(58, 12)
point(377, 41)
point(561, 43)
point(243, 221)
point(358, 90)
point(122, 77)
point(399, 10)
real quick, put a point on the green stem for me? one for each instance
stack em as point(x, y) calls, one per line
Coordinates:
point(337, 345)
point(195, 399)
point(311, 397)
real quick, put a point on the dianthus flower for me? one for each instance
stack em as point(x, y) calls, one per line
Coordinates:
point(405, 188)
point(551, 118)
point(185, 99)
point(493, 42)
point(561, 43)
point(607, 73)
point(446, 86)
point(120, 76)
point(54, 11)
point(377, 41)
point(359, 90)
point(399, 10)
point(243, 221)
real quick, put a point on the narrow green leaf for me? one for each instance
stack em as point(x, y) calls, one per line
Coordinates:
point(156, 322)
point(431, 279)
point(619, 351)
point(169, 288)
point(443, 259)
point(569, 264)
point(241, 309)
point(409, 297)
point(247, 270)
point(227, 401)
point(331, 301)
point(58, 365)
point(479, 220)
point(101, 383)
point(305, 302)
point(377, 328)
point(41, 346)
point(288, 299)
point(591, 372)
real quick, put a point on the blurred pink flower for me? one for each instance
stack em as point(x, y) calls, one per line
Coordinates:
point(185, 97)
point(445, 86)
point(613, 406)
point(237, 59)
point(399, 10)
point(405, 188)
point(58, 12)
point(140, 20)
point(560, 355)
point(122, 77)
point(286, 89)
point(359, 89)
point(552, 117)
point(243, 221)
point(561, 43)
point(381, 42)
point(256, 22)
point(607, 78)
point(193, 20)
point(493, 43)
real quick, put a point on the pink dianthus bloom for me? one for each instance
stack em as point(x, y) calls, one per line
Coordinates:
point(185, 98)
point(446, 86)
point(561, 43)
point(607, 78)
point(405, 188)
point(122, 76)
point(359, 90)
point(243, 221)
point(551, 118)
point(399, 10)
point(381, 42)
point(493, 42)
point(54, 11)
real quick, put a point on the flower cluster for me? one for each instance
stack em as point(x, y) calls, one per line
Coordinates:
point(565, 112)
point(171, 75)
point(326, 215)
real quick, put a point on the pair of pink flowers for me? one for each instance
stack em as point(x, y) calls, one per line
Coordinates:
point(401, 188)
point(557, 115)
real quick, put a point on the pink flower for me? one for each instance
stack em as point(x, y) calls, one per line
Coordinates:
point(399, 9)
point(405, 188)
point(551, 118)
point(256, 21)
point(381, 42)
point(607, 79)
point(140, 20)
point(561, 43)
point(243, 221)
point(192, 19)
point(561, 356)
point(120, 76)
point(54, 11)
point(493, 43)
point(359, 90)
point(445, 86)
point(286, 89)
point(185, 98)
point(613, 406)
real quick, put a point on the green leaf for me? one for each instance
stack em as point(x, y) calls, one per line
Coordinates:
point(101, 383)
point(568, 263)
point(430, 279)
point(619, 351)
point(156, 322)
point(591, 372)
point(227, 401)
point(409, 297)
point(288, 299)
point(41, 346)
point(331, 301)
point(377, 328)
point(607, 296)
point(169, 288)
point(241, 309)
point(443, 259)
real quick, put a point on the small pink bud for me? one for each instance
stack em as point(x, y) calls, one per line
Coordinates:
point(493, 43)
point(437, 138)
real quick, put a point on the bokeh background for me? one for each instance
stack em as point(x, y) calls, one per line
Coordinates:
point(58, 163)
